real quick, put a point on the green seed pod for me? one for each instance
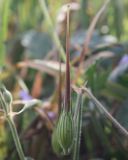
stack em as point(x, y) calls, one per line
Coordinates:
point(63, 136)
point(65, 131)
point(55, 143)
point(7, 97)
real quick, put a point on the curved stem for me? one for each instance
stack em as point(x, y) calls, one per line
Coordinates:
point(9, 117)
point(16, 138)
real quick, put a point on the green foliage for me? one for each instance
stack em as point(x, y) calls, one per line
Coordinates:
point(4, 10)
point(85, 131)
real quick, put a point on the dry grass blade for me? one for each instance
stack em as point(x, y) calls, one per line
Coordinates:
point(50, 67)
point(89, 36)
point(93, 58)
point(91, 29)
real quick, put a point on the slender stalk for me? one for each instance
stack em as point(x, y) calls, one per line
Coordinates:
point(67, 92)
point(52, 31)
point(78, 126)
point(107, 114)
point(16, 138)
point(60, 88)
point(9, 117)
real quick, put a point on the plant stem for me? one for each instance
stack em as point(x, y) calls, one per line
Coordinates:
point(9, 117)
point(78, 126)
point(67, 76)
point(52, 31)
point(16, 138)
point(107, 114)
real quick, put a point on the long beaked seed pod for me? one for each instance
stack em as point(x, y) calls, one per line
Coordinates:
point(63, 134)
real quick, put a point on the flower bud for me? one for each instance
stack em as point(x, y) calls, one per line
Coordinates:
point(7, 97)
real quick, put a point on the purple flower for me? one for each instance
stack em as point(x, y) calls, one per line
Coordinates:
point(24, 95)
point(124, 59)
point(51, 115)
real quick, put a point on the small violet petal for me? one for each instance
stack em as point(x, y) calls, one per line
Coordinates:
point(124, 59)
point(24, 95)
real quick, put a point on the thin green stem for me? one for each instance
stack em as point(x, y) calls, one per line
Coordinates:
point(9, 117)
point(78, 126)
point(16, 138)
point(51, 28)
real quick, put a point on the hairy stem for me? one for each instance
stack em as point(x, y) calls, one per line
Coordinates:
point(16, 138)
point(9, 117)
point(107, 114)
point(78, 126)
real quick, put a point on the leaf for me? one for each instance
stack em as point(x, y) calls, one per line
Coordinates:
point(118, 8)
point(37, 44)
point(115, 91)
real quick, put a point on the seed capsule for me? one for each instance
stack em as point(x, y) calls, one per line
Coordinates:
point(65, 131)
point(55, 143)
point(63, 135)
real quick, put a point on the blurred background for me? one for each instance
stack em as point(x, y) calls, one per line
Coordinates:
point(29, 68)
